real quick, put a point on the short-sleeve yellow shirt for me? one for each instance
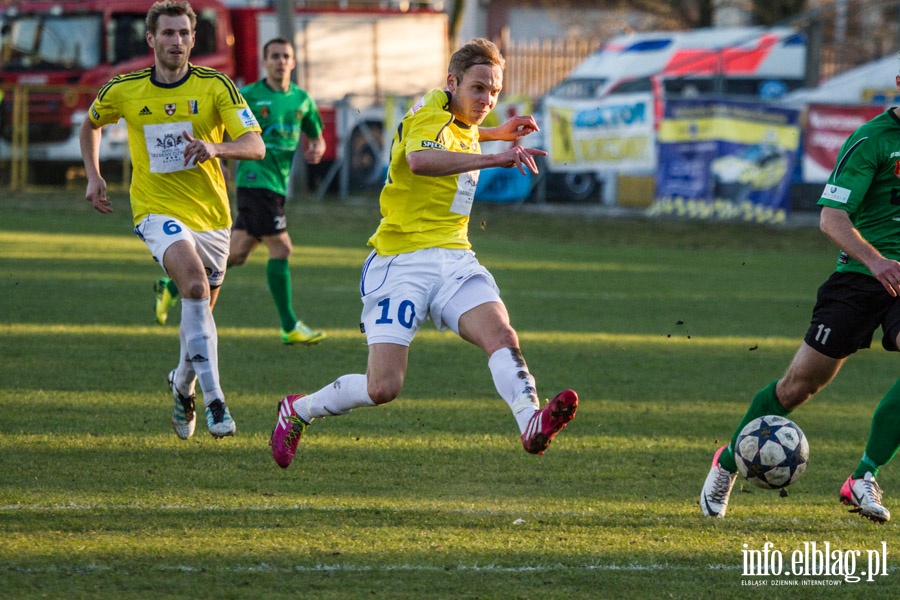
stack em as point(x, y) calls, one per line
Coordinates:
point(427, 212)
point(205, 104)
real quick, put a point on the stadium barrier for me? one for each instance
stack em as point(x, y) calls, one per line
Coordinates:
point(39, 144)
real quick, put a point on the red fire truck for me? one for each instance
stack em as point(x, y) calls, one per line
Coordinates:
point(54, 55)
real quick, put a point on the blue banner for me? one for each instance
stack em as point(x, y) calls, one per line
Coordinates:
point(726, 160)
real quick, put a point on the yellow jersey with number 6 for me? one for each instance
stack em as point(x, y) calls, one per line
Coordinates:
point(205, 105)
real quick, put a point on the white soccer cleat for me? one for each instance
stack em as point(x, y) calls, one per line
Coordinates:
point(865, 495)
point(183, 420)
point(218, 419)
point(716, 489)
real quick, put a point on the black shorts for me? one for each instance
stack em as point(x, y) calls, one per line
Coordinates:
point(849, 308)
point(260, 212)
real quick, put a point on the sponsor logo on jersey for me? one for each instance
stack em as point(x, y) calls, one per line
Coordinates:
point(144, 112)
point(192, 107)
point(170, 109)
point(170, 140)
point(247, 117)
point(434, 145)
point(836, 193)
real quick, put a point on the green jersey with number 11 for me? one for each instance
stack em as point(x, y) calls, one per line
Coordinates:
point(865, 182)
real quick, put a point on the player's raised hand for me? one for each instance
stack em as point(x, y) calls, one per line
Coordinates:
point(521, 158)
point(516, 128)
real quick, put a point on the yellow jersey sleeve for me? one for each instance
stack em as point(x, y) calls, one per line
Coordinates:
point(427, 212)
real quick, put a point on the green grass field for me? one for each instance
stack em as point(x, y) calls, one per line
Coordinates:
point(665, 329)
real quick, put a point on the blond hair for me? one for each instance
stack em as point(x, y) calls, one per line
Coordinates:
point(479, 51)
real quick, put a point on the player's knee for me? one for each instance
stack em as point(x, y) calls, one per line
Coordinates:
point(196, 290)
point(282, 251)
point(237, 259)
point(279, 246)
point(794, 393)
point(384, 390)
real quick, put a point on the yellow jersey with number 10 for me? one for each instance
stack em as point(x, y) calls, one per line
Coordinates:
point(427, 212)
point(205, 104)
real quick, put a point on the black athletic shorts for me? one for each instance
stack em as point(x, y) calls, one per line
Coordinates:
point(849, 308)
point(260, 212)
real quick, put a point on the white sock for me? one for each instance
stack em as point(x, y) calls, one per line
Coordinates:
point(514, 384)
point(185, 378)
point(201, 344)
point(343, 395)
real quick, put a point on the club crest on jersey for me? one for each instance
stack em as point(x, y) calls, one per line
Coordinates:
point(264, 112)
point(192, 107)
point(897, 169)
point(170, 109)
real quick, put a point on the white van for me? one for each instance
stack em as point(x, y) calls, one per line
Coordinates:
point(735, 62)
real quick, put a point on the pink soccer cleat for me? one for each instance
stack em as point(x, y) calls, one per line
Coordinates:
point(287, 432)
point(548, 421)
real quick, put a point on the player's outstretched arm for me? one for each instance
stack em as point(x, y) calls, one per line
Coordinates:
point(438, 163)
point(514, 129)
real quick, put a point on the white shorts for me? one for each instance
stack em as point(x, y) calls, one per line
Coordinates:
point(159, 232)
point(400, 292)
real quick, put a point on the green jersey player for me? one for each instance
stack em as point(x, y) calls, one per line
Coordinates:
point(860, 213)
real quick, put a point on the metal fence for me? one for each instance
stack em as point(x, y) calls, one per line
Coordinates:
point(535, 66)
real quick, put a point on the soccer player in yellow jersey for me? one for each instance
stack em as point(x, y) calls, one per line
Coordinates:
point(423, 266)
point(177, 114)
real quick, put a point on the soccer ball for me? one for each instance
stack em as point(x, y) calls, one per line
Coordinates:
point(771, 452)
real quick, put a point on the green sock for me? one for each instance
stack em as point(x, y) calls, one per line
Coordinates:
point(866, 465)
point(884, 435)
point(765, 402)
point(278, 275)
point(173, 289)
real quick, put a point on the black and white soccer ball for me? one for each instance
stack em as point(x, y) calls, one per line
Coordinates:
point(771, 452)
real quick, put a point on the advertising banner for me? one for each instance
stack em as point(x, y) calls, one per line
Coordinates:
point(726, 160)
point(615, 133)
point(827, 127)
